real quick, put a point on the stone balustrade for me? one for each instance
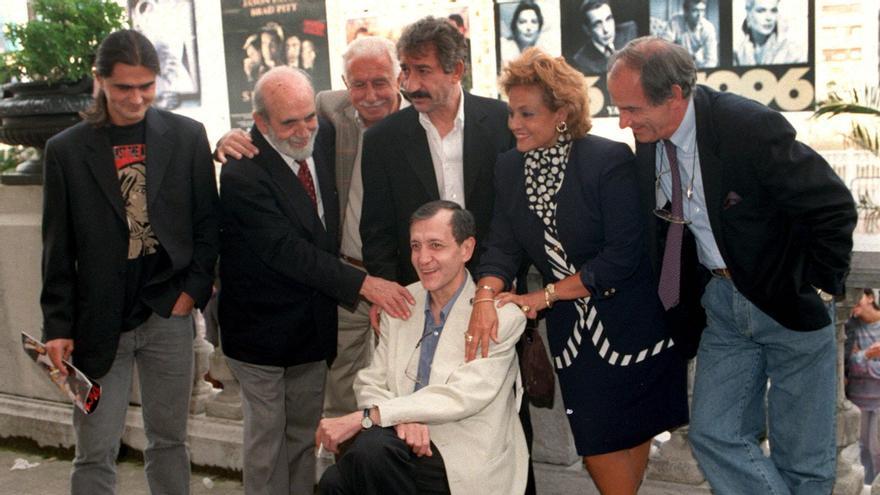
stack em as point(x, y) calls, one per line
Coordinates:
point(30, 407)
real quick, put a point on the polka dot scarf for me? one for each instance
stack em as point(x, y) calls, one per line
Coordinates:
point(545, 171)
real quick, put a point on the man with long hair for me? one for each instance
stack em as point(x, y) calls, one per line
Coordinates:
point(130, 238)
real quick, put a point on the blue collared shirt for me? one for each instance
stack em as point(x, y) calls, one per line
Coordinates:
point(685, 140)
point(431, 335)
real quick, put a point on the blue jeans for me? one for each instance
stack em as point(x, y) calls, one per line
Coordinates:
point(162, 350)
point(869, 443)
point(740, 350)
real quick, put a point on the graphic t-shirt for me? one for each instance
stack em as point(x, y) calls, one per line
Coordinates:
point(144, 250)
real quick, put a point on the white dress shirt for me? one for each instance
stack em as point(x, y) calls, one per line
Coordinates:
point(447, 153)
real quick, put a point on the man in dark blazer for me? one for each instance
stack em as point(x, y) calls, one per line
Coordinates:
point(371, 75)
point(282, 279)
point(442, 147)
point(772, 223)
point(129, 247)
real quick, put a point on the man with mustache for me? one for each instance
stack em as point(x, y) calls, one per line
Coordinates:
point(442, 147)
point(282, 279)
point(371, 76)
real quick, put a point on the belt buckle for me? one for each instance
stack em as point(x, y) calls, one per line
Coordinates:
point(721, 272)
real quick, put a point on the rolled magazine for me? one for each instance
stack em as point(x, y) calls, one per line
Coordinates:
point(79, 388)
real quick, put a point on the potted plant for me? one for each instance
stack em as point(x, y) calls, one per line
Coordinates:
point(863, 133)
point(48, 74)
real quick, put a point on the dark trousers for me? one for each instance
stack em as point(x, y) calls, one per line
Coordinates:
point(380, 463)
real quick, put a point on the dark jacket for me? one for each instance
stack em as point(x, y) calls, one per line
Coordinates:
point(86, 236)
point(399, 177)
point(782, 219)
point(279, 264)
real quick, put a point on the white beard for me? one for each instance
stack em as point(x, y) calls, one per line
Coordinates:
point(287, 146)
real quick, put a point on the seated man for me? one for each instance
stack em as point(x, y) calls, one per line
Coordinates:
point(442, 425)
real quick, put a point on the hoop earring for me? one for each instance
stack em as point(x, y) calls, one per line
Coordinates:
point(562, 127)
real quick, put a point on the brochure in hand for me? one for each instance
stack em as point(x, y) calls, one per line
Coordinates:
point(82, 391)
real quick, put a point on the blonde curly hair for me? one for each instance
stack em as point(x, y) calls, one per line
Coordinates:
point(561, 85)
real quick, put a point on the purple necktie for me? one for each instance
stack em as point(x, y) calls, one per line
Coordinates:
point(305, 177)
point(670, 273)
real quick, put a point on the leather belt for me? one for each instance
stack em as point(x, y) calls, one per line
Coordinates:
point(721, 272)
point(352, 261)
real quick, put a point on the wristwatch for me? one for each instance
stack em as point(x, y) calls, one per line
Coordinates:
point(366, 422)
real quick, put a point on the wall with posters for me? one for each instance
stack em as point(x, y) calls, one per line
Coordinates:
point(207, 44)
point(762, 49)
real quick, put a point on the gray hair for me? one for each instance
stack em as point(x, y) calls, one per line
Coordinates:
point(371, 46)
point(463, 224)
point(258, 102)
point(661, 65)
point(448, 42)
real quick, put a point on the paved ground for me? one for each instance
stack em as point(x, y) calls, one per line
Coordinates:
point(50, 477)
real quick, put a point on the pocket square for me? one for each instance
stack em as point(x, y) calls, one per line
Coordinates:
point(732, 199)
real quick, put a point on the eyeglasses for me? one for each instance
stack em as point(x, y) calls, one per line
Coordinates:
point(412, 366)
point(666, 215)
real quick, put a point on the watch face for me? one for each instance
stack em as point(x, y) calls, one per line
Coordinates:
point(367, 422)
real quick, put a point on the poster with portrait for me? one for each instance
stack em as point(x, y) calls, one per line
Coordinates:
point(170, 26)
point(521, 24)
point(760, 49)
point(389, 23)
point(769, 32)
point(591, 31)
point(692, 24)
point(258, 36)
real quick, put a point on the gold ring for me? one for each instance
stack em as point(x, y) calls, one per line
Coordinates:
point(468, 337)
point(525, 308)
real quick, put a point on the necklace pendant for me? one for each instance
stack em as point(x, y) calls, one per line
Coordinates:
point(690, 192)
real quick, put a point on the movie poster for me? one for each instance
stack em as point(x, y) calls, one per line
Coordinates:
point(170, 26)
point(261, 34)
point(761, 49)
point(521, 24)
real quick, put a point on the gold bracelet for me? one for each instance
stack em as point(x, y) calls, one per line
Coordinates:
point(485, 299)
point(550, 296)
point(488, 288)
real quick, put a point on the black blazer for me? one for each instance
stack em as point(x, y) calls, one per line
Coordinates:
point(398, 176)
point(600, 229)
point(279, 265)
point(85, 233)
point(782, 219)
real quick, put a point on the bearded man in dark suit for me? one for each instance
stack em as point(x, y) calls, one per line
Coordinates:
point(282, 279)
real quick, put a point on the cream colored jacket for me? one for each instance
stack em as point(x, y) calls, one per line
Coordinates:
point(471, 409)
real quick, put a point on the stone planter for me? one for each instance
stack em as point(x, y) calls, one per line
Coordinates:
point(31, 113)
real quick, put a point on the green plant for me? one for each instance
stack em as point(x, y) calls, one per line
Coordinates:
point(10, 156)
point(59, 43)
point(857, 102)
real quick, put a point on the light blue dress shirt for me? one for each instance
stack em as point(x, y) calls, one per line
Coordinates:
point(431, 335)
point(685, 140)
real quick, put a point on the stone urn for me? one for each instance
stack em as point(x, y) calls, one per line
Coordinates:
point(31, 113)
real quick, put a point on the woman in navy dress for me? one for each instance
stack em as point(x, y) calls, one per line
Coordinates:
point(568, 202)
